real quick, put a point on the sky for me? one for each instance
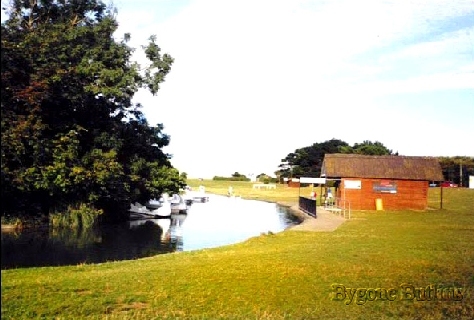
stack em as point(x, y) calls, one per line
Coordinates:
point(254, 80)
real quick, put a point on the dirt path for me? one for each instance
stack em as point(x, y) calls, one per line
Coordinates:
point(325, 221)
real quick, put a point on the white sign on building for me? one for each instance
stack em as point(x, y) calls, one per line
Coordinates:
point(352, 184)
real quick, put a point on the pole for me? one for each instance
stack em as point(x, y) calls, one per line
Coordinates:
point(441, 196)
point(320, 194)
point(344, 188)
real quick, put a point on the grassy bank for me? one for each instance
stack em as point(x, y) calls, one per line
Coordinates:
point(289, 275)
point(282, 193)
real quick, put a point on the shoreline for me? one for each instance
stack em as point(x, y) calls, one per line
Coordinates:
point(325, 221)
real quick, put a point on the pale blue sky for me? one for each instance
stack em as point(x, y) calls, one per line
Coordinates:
point(255, 79)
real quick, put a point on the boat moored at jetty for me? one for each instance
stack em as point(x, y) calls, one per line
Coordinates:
point(138, 211)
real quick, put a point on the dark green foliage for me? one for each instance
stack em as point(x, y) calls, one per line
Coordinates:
point(367, 148)
point(266, 178)
point(457, 169)
point(70, 133)
point(308, 161)
point(235, 177)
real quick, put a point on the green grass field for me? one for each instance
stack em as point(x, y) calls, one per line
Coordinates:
point(376, 256)
point(244, 189)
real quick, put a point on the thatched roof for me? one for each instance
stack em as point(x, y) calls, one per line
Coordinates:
point(338, 165)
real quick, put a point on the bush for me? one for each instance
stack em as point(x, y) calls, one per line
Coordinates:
point(81, 216)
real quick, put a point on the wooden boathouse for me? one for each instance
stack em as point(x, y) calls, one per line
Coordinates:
point(382, 182)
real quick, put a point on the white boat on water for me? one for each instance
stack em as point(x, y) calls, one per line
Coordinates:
point(178, 204)
point(138, 211)
point(161, 208)
point(188, 197)
point(198, 195)
point(163, 211)
point(154, 204)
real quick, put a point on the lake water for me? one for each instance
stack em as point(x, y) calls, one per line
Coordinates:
point(221, 221)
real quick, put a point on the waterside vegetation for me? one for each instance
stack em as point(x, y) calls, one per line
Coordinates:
point(71, 134)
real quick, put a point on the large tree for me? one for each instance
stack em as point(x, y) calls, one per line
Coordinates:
point(368, 148)
point(307, 161)
point(70, 132)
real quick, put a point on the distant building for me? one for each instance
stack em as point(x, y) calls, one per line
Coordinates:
point(399, 182)
point(294, 183)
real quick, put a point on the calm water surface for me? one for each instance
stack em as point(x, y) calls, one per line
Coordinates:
point(219, 222)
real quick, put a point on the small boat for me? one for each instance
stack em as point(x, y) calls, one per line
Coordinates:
point(163, 211)
point(200, 196)
point(138, 211)
point(178, 204)
point(154, 204)
point(188, 197)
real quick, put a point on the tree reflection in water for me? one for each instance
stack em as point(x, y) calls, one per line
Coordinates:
point(220, 221)
point(55, 247)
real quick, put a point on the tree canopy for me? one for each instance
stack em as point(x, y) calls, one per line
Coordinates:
point(307, 161)
point(70, 133)
point(457, 169)
point(368, 148)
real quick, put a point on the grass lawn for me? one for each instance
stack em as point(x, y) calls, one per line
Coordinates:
point(377, 255)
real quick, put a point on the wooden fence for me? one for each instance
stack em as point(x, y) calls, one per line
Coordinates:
point(308, 206)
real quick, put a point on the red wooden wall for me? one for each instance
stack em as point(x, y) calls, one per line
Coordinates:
point(409, 195)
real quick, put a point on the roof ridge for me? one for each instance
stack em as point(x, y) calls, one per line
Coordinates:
point(383, 155)
point(383, 166)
